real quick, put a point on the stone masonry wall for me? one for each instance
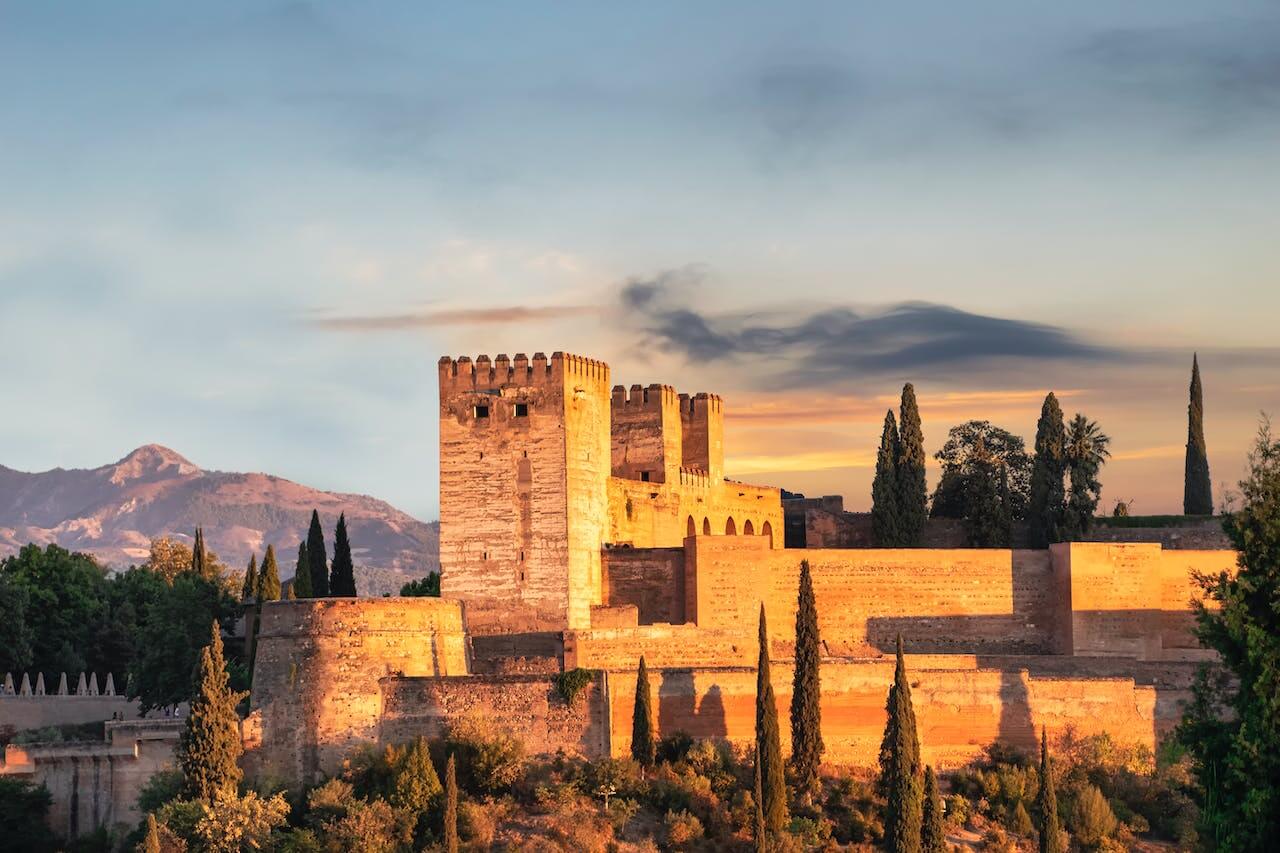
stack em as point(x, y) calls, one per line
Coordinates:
point(652, 579)
point(318, 664)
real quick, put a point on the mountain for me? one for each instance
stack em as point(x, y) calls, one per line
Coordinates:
point(114, 511)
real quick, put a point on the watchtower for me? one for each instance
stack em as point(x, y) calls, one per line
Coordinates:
point(524, 468)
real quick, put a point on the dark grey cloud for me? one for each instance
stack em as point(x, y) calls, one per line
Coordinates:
point(825, 345)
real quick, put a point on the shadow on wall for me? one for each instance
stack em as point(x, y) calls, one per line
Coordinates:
point(677, 710)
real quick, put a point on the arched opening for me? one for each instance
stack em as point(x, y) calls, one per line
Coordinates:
point(690, 528)
point(706, 527)
point(748, 529)
point(767, 530)
point(730, 529)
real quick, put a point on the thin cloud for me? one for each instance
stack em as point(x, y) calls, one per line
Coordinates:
point(455, 317)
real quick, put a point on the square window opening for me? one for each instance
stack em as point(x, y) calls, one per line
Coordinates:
point(644, 476)
point(522, 410)
point(482, 411)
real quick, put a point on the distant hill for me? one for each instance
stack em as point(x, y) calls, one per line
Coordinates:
point(114, 511)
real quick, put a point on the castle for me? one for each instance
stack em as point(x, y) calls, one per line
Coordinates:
point(584, 525)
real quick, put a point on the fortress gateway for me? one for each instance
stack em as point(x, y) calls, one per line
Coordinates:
point(583, 525)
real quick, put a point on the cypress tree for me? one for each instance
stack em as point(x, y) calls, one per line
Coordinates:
point(806, 713)
point(885, 523)
point(249, 591)
point(342, 576)
point(450, 807)
point(210, 746)
point(1048, 493)
point(773, 790)
point(317, 558)
point(643, 749)
point(301, 586)
point(151, 842)
point(913, 494)
point(1197, 492)
point(900, 767)
point(933, 837)
point(1047, 804)
point(758, 832)
point(269, 577)
point(415, 786)
point(198, 559)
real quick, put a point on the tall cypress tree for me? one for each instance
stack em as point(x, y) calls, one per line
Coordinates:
point(643, 749)
point(933, 838)
point(269, 577)
point(199, 561)
point(151, 842)
point(450, 807)
point(913, 494)
point(210, 746)
point(885, 522)
point(1047, 804)
point(1197, 492)
point(301, 586)
point(773, 791)
point(900, 767)
point(759, 834)
point(342, 574)
point(249, 591)
point(318, 559)
point(806, 713)
point(1048, 491)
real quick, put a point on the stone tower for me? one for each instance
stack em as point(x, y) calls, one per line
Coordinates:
point(524, 468)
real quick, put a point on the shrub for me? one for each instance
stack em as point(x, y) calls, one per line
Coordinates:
point(164, 786)
point(957, 810)
point(682, 827)
point(1092, 819)
point(674, 747)
point(1019, 821)
point(23, 808)
point(489, 761)
point(571, 682)
point(620, 812)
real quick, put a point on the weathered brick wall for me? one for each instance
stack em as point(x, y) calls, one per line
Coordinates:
point(651, 579)
point(959, 710)
point(318, 663)
point(526, 706)
point(966, 600)
point(662, 645)
point(96, 783)
point(645, 433)
point(1194, 535)
point(662, 515)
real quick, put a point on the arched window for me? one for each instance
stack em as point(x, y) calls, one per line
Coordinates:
point(706, 527)
point(690, 529)
point(748, 529)
point(767, 530)
point(730, 529)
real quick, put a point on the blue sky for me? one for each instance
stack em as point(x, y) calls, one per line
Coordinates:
point(247, 231)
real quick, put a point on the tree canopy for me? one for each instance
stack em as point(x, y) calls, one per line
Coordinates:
point(979, 448)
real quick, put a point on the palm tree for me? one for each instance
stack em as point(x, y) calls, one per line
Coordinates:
point(1087, 451)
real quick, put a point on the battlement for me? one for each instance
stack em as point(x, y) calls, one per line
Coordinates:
point(84, 687)
point(483, 374)
point(691, 404)
point(695, 477)
point(653, 398)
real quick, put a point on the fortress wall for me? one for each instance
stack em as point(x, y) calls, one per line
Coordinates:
point(661, 515)
point(97, 783)
point(645, 433)
point(652, 579)
point(528, 707)
point(587, 466)
point(959, 711)
point(966, 600)
point(1178, 589)
point(315, 687)
point(36, 712)
point(662, 645)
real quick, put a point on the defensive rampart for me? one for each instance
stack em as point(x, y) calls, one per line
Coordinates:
point(24, 705)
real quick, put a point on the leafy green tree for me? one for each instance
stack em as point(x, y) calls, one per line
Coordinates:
point(65, 601)
point(209, 748)
point(317, 558)
point(301, 586)
point(1092, 819)
point(806, 711)
point(900, 774)
point(131, 597)
point(933, 836)
point(342, 578)
point(1232, 727)
point(423, 587)
point(16, 637)
point(913, 492)
point(24, 808)
point(171, 637)
point(980, 449)
point(1197, 491)
point(249, 590)
point(269, 577)
point(416, 785)
point(768, 741)
point(643, 747)
point(1048, 826)
point(886, 525)
point(988, 521)
point(1048, 493)
point(1087, 451)
point(450, 807)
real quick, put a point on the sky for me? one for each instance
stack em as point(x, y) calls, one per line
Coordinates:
point(248, 231)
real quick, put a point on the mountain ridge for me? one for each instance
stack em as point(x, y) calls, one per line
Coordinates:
point(113, 511)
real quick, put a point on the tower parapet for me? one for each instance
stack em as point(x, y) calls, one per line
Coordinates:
point(702, 422)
